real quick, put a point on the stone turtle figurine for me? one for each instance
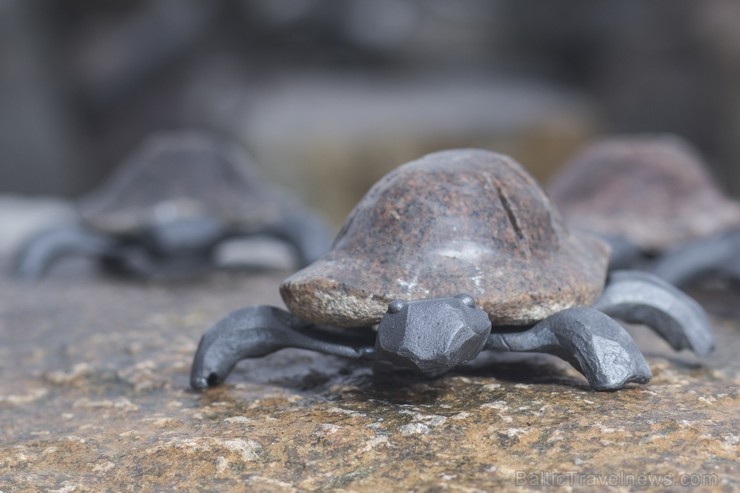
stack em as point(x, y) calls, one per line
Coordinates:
point(164, 212)
point(653, 199)
point(471, 222)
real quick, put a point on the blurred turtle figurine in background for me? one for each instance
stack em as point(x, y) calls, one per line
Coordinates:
point(170, 205)
point(471, 222)
point(653, 199)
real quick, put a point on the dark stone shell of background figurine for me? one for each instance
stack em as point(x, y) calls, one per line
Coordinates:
point(181, 174)
point(460, 221)
point(652, 190)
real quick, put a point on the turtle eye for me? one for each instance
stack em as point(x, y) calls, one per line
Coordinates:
point(466, 299)
point(396, 306)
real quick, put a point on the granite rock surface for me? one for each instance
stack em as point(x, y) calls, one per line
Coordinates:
point(94, 396)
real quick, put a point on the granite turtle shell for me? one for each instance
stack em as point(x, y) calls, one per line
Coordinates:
point(654, 191)
point(459, 221)
point(180, 175)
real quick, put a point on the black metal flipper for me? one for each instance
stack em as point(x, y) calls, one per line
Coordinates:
point(592, 342)
point(642, 298)
point(37, 255)
point(719, 255)
point(257, 331)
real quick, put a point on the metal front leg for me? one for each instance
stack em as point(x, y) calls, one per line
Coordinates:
point(38, 253)
point(257, 331)
point(592, 342)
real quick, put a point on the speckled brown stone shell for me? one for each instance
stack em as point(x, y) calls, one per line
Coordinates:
point(459, 221)
point(186, 172)
point(653, 191)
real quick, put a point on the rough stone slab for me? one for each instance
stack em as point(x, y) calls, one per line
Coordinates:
point(94, 397)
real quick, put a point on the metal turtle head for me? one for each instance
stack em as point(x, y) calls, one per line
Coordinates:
point(459, 221)
point(181, 190)
point(460, 328)
point(651, 191)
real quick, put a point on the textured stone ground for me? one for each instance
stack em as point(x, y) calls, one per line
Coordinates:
point(94, 396)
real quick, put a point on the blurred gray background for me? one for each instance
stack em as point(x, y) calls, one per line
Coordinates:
point(329, 95)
